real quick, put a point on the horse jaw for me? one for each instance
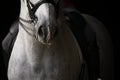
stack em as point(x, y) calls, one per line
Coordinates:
point(46, 24)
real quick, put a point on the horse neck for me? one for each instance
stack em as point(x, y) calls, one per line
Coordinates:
point(32, 48)
point(26, 28)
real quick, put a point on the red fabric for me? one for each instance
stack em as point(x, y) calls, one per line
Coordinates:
point(67, 3)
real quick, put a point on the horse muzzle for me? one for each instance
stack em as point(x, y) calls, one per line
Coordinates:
point(47, 23)
point(46, 34)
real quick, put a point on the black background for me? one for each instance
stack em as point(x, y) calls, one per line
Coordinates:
point(105, 11)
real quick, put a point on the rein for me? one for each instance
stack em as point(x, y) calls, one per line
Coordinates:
point(26, 28)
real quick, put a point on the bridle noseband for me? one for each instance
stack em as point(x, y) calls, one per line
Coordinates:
point(32, 9)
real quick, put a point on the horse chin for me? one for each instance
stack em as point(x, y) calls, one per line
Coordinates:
point(43, 40)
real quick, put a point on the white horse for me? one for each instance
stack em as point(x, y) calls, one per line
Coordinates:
point(40, 55)
point(46, 49)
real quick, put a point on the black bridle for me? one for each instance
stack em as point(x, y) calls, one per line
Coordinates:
point(32, 9)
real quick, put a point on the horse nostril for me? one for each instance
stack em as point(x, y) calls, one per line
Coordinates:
point(40, 32)
point(46, 33)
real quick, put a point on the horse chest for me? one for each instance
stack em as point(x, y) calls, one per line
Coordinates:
point(60, 61)
point(52, 66)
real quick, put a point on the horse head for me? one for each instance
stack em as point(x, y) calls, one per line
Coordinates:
point(39, 16)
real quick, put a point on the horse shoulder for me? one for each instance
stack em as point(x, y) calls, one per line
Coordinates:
point(104, 43)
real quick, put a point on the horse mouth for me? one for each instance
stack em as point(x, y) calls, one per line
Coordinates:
point(46, 34)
